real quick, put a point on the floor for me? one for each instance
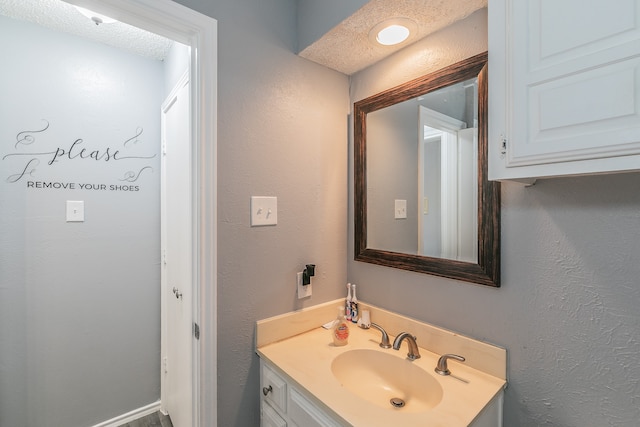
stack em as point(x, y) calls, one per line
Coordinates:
point(156, 419)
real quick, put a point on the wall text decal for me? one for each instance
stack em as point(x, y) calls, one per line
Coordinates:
point(81, 186)
point(26, 161)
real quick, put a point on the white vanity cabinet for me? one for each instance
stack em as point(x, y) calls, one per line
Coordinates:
point(491, 415)
point(564, 87)
point(284, 405)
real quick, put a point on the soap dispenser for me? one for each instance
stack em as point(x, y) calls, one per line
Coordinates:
point(340, 329)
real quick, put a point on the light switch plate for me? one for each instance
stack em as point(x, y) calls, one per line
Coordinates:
point(264, 211)
point(400, 209)
point(303, 290)
point(75, 211)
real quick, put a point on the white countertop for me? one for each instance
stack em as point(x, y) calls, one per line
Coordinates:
point(305, 359)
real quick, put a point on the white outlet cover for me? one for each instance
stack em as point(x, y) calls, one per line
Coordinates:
point(264, 211)
point(304, 291)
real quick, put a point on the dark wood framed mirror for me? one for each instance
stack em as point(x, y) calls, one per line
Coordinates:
point(467, 247)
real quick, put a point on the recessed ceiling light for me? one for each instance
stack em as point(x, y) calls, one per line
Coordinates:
point(392, 31)
point(98, 18)
point(393, 34)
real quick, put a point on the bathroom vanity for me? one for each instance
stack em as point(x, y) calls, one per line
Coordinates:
point(307, 381)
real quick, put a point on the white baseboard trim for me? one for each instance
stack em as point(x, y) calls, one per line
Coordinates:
point(131, 416)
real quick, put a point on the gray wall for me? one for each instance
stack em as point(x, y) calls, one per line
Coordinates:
point(79, 302)
point(282, 131)
point(392, 173)
point(567, 311)
point(315, 18)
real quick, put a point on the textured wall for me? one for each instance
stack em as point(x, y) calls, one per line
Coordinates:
point(79, 302)
point(567, 311)
point(282, 131)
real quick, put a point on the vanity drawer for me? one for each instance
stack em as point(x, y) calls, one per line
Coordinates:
point(305, 414)
point(274, 388)
point(270, 418)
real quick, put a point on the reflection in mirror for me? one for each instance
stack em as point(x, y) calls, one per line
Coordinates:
point(422, 199)
point(423, 151)
point(447, 189)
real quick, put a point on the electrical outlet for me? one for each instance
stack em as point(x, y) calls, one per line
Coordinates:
point(304, 291)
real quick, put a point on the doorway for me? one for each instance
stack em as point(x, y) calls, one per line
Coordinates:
point(447, 190)
point(199, 32)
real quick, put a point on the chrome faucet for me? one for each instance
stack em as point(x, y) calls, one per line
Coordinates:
point(384, 343)
point(411, 341)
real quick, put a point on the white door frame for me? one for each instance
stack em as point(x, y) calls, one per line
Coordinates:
point(449, 181)
point(179, 23)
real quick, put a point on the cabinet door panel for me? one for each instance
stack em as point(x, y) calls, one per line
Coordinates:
point(566, 29)
point(587, 115)
point(564, 87)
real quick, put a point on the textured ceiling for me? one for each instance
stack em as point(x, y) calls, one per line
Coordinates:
point(61, 16)
point(348, 49)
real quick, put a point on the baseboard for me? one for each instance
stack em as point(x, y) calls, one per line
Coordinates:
point(131, 416)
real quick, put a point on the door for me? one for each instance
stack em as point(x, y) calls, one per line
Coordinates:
point(177, 286)
point(441, 187)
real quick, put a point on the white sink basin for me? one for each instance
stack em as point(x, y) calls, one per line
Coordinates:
point(386, 380)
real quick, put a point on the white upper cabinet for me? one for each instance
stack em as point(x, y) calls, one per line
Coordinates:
point(564, 87)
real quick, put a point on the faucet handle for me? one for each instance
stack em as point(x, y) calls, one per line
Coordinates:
point(442, 368)
point(384, 340)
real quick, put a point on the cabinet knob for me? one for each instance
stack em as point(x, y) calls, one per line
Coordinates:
point(266, 390)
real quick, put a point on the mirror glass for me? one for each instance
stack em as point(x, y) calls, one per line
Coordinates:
point(422, 198)
point(422, 157)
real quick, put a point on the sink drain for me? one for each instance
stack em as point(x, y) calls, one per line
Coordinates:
point(396, 402)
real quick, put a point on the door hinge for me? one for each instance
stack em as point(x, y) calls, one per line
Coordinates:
point(503, 145)
point(196, 331)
